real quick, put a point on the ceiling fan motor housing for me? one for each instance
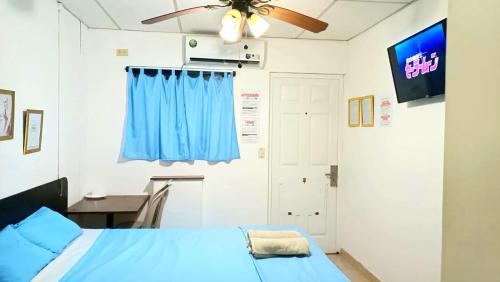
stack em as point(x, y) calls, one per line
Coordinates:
point(242, 6)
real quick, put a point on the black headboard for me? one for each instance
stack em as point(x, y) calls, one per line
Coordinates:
point(53, 195)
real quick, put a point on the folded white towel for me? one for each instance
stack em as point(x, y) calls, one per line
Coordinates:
point(269, 247)
point(272, 234)
point(269, 243)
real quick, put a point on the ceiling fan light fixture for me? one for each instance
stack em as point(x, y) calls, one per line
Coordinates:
point(258, 26)
point(231, 22)
point(229, 34)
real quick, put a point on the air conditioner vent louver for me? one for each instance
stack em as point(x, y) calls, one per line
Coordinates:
point(207, 60)
point(212, 51)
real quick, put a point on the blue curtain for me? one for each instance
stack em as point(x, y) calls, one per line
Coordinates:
point(176, 118)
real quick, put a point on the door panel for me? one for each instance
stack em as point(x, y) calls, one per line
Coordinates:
point(291, 93)
point(315, 207)
point(303, 147)
point(320, 94)
point(319, 137)
point(289, 149)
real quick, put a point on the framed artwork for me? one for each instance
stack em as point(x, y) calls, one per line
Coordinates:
point(367, 111)
point(7, 107)
point(33, 131)
point(354, 112)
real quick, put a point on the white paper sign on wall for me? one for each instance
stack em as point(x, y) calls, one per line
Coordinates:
point(386, 112)
point(250, 116)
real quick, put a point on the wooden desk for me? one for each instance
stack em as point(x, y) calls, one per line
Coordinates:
point(178, 178)
point(109, 206)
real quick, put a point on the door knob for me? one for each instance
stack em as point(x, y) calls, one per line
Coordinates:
point(333, 175)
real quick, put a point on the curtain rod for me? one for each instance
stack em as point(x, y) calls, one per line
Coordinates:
point(188, 68)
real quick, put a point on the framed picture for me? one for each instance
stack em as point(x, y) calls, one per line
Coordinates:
point(367, 114)
point(354, 112)
point(33, 131)
point(7, 107)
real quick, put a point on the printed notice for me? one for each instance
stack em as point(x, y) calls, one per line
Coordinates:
point(34, 131)
point(386, 115)
point(250, 118)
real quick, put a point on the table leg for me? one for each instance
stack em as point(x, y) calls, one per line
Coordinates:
point(110, 220)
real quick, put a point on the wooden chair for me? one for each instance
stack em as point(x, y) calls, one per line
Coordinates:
point(154, 212)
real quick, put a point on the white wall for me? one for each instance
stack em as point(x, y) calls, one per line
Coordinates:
point(29, 62)
point(391, 177)
point(30, 57)
point(235, 193)
point(73, 89)
point(471, 227)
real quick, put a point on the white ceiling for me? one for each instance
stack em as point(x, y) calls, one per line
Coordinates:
point(346, 18)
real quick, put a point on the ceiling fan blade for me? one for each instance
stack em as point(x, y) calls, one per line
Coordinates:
point(292, 17)
point(182, 13)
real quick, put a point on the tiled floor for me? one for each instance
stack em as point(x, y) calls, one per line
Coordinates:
point(352, 269)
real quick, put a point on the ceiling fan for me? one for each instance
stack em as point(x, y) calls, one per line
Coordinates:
point(247, 12)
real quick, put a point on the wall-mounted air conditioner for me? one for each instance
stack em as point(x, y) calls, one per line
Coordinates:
point(212, 51)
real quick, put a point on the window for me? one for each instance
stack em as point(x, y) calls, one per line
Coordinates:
point(176, 116)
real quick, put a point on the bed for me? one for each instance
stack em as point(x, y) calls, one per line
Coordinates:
point(209, 254)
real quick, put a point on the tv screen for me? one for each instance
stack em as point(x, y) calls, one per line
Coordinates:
point(418, 64)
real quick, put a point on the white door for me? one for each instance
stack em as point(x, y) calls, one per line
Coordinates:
point(304, 131)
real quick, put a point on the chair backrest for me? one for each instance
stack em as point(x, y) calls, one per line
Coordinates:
point(155, 209)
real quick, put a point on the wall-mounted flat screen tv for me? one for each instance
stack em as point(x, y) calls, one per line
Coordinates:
point(418, 64)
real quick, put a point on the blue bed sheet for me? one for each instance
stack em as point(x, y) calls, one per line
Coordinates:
point(192, 255)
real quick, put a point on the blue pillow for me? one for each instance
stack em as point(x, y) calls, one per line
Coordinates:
point(20, 260)
point(48, 229)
